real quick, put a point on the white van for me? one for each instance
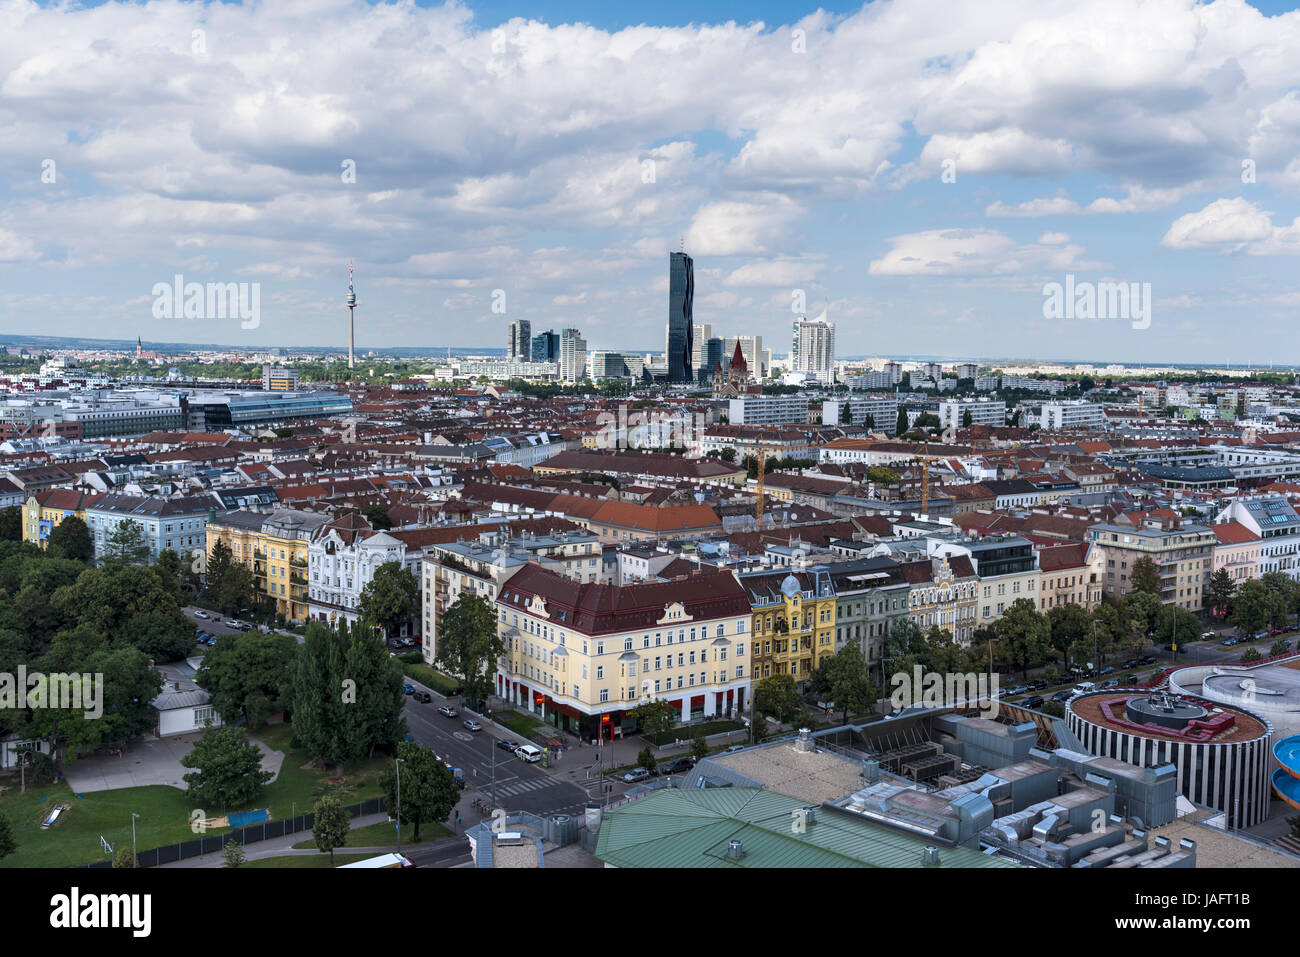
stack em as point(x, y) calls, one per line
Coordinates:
point(1084, 687)
point(528, 752)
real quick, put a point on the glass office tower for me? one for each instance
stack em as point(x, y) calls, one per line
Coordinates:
point(681, 295)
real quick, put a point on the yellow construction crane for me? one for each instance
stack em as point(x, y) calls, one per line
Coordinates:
point(761, 455)
point(925, 489)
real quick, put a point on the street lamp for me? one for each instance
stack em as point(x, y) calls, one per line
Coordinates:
point(135, 858)
point(399, 805)
point(293, 815)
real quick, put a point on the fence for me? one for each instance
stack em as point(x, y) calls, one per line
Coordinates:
point(244, 835)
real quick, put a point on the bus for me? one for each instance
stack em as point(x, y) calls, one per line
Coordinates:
point(383, 860)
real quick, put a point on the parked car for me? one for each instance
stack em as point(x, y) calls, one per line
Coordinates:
point(235, 623)
point(1107, 670)
point(1033, 701)
point(212, 640)
point(201, 614)
point(1131, 663)
point(1146, 660)
point(684, 763)
point(472, 725)
point(734, 747)
point(636, 774)
point(423, 697)
point(1130, 680)
point(1207, 635)
point(505, 744)
point(447, 711)
point(1063, 696)
point(408, 689)
point(1016, 689)
point(1262, 633)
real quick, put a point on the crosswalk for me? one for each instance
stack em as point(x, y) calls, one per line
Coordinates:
point(522, 786)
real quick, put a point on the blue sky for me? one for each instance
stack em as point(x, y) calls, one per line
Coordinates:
point(549, 157)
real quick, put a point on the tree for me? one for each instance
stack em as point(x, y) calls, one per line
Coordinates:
point(1222, 588)
point(699, 746)
point(1279, 647)
point(777, 696)
point(377, 515)
point(250, 677)
point(233, 853)
point(654, 717)
point(468, 644)
point(645, 758)
point(126, 545)
point(1249, 655)
point(1253, 606)
point(330, 824)
point(849, 685)
point(168, 568)
point(125, 857)
point(346, 695)
point(390, 598)
point(71, 539)
point(429, 788)
point(1023, 634)
point(229, 769)
point(966, 419)
point(1145, 577)
point(1069, 627)
point(7, 843)
point(900, 426)
point(11, 524)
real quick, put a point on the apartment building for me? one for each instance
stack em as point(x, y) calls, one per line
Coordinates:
point(167, 523)
point(1069, 574)
point(1182, 551)
point(1275, 522)
point(481, 566)
point(953, 412)
point(1072, 416)
point(44, 511)
point(793, 620)
point(870, 595)
point(944, 593)
point(581, 656)
point(1237, 550)
point(275, 545)
point(768, 410)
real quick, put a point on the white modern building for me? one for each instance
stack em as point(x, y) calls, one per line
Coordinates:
point(573, 356)
point(952, 412)
point(768, 410)
point(812, 350)
point(1072, 416)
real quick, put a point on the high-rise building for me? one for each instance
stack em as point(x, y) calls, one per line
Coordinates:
point(701, 334)
point(711, 356)
point(573, 356)
point(681, 328)
point(812, 349)
point(546, 346)
point(520, 344)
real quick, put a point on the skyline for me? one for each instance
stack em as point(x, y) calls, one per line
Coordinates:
point(923, 187)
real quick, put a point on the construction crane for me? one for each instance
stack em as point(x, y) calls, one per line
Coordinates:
point(925, 489)
point(761, 455)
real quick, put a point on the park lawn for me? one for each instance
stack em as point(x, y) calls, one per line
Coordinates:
point(164, 811)
point(307, 860)
point(384, 834)
point(518, 722)
point(445, 685)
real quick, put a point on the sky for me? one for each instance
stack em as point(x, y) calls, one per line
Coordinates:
point(921, 172)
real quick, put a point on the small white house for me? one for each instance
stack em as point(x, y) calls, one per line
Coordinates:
point(183, 707)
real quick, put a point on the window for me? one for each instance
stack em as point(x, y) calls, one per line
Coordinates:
point(604, 694)
point(600, 672)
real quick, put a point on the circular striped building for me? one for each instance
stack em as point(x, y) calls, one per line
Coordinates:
point(1221, 752)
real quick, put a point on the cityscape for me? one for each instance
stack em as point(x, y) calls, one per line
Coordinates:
point(816, 478)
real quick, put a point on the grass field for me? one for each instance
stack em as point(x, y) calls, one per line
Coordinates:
point(164, 811)
point(518, 722)
point(383, 834)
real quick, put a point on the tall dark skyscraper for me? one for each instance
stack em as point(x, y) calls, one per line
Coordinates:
point(681, 326)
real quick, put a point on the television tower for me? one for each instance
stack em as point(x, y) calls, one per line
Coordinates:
point(352, 305)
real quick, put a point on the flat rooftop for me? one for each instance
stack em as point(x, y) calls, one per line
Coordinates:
point(810, 776)
point(1089, 707)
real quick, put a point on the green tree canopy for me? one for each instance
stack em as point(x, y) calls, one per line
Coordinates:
point(71, 539)
point(429, 788)
point(249, 676)
point(390, 598)
point(468, 644)
point(228, 769)
point(330, 824)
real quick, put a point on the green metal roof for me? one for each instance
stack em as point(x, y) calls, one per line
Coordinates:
point(691, 828)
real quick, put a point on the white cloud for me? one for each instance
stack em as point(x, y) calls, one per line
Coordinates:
point(1234, 225)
